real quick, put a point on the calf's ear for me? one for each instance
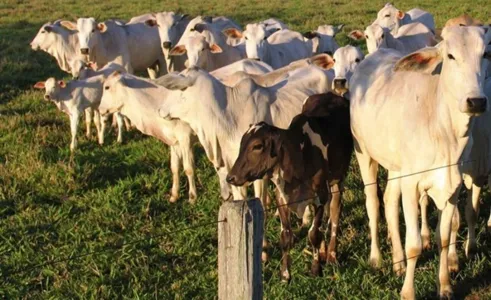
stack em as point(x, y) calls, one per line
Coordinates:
point(102, 27)
point(232, 33)
point(178, 50)
point(423, 61)
point(400, 14)
point(39, 85)
point(356, 35)
point(151, 22)
point(62, 83)
point(324, 61)
point(214, 48)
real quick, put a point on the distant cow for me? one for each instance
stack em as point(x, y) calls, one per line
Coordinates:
point(115, 41)
point(311, 158)
point(392, 18)
point(323, 39)
point(409, 38)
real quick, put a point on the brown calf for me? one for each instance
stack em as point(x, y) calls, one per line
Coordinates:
point(309, 159)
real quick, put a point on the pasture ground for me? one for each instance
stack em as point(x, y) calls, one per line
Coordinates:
point(53, 206)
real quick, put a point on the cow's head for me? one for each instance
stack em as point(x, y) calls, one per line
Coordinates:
point(374, 35)
point(112, 94)
point(390, 17)
point(52, 88)
point(168, 24)
point(461, 59)
point(346, 59)
point(256, 36)
point(325, 35)
point(47, 36)
point(259, 154)
point(197, 49)
point(88, 33)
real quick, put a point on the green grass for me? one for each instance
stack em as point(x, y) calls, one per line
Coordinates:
point(53, 206)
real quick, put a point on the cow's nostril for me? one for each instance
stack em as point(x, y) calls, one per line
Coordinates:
point(167, 45)
point(230, 179)
point(84, 51)
point(477, 104)
point(340, 82)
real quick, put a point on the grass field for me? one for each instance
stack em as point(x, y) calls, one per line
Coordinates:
point(54, 206)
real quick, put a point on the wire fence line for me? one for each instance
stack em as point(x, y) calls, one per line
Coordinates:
point(115, 247)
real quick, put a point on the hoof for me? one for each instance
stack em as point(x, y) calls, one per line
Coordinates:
point(375, 260)
point(323, 252)
point(192, 199)
point(331, 258)
point(453, 263)
point(285, 276)
point(408, 294)
point(426, 242)
point(315, 270)
point(470, 249)
point(446, 293)
point(173, 199)
point(399, 268)
point(264, 256)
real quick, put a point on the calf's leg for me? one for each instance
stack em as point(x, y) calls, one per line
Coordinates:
point(286, 242)
point(175, 156)
point(74, 119)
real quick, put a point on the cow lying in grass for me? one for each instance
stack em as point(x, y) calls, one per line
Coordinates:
point(309, 159)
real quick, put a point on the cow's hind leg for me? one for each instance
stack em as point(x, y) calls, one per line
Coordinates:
point(391, 200)
point(334, 214)
point(443, 239)
point(175, 157)
point(188, 164)
point(88, 119)
point(368, 169)
point(453, 259)
point(286, 241)
point(425, 229)
point(471, 213)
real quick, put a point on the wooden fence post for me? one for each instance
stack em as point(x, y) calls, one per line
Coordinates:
point(240, 241)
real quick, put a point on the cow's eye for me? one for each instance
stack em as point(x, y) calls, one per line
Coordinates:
point(357, 60)
point(487, 55)
point(333, 60)
point(366, 36)
point(245, 38)
point(106, 87)
point(192, 29)
point(383, 35)
point(450, 56)
point(387, 16)
point(93, 30)
point(43, 31)
point(258, 147)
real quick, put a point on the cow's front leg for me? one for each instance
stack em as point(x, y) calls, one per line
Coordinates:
point(286, 242)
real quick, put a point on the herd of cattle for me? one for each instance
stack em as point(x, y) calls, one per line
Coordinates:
point(268, 103)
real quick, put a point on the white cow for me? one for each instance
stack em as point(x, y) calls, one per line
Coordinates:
point(139, 100)
point(75, 96)
point(59, 42)
point(323, 39)
point(346, 59)
point(114, 41)
point(203, 50)
point(278, 49)
point(228, 74)
point(411, 114)
point(271, 25)
point(393, 18)
point(171, 27)
point(409, 38)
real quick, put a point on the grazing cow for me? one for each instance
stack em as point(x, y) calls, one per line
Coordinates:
point(203, 50)
point(409, 38)
point(139, 100)
point(346, 59)
point(392, 18)
point(429, 98)
point(75, 96)
point(111, 40)
point(277, 49)
point(311, 158)
point(59, 42)
point(323, 39)
point(171, 27)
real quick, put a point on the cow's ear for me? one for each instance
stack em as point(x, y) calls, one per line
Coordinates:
point(324, 61)
point(232, 33)
point(39, 85)
point(200, 27)
point(310, 34)
point(337, 29)
point(69, 25)
point(400, 14)
point(102, 27)
point(356, 35)
point(151, 22)
point(48, 28)
point(214, 48)
point(178, 50)
point(62, 84)
point(423, 61)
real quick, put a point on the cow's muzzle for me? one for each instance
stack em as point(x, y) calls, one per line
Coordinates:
point(477, 105)
point(167, 45)
point(84, 51)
